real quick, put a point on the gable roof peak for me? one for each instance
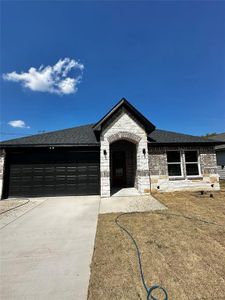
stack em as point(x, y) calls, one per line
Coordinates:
point(123, 100)
point(149, 127)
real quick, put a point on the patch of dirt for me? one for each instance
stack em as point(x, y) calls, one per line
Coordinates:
point(10, 204)
point(185, 256)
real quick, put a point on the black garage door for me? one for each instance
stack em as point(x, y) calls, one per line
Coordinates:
point(53, 173)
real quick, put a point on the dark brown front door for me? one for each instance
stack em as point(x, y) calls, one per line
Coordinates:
point(118, 169)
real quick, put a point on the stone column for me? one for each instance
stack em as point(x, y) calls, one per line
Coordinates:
point(143, 167)
point(105, 168)
point(208, 165)
point(2, 165)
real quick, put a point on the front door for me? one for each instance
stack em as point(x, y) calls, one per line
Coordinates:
point(118, 169)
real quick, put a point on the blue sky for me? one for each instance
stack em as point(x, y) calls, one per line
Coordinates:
point(167, 58)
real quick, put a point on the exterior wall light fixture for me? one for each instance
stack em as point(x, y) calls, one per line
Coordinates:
point(144, 151)
point(105, 152)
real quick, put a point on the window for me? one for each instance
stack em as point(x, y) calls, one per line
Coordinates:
point(174, 163)
point(183, 163)
point(191, 163)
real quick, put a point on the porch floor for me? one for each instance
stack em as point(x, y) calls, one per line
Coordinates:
point(125, 192)
point(137, 203)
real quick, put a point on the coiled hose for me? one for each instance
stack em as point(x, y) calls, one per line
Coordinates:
point(150, 289)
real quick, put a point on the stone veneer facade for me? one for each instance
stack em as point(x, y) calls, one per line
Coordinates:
point(152, 169)
point(160, 181)
point(124, 127)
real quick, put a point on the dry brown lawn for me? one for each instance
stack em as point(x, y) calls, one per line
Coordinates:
point(186, 256)
point(222, 185)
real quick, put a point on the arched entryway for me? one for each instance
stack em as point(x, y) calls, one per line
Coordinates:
point(123, 165)
point(138, 141)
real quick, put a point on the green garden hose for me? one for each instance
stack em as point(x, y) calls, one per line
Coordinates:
point(150, 289)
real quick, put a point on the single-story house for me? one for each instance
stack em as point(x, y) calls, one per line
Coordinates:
point(220, 154)
point(123, 149)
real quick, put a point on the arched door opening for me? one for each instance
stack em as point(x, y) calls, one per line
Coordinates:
point(123, 165)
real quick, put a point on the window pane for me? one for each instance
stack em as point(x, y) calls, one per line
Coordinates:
point(173, 156)
point(192, 169)
point(174, 170)
point(191, 156)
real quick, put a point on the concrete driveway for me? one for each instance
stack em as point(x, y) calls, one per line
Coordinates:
point(46, 252)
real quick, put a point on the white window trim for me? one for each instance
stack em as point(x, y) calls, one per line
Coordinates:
point(194, 162)
point(176, 163)
point(183, 165)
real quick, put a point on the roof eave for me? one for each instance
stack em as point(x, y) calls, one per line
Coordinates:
point(48, 145)
point(181, 143)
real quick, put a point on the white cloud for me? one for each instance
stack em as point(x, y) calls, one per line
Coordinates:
point(18, 124)
point(52, 79)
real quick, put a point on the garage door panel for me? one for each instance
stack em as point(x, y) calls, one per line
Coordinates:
point(48, 170)
point(60, 178)
point(42, 179)
point(16, 172)
point(71, 170)
point(25, 170)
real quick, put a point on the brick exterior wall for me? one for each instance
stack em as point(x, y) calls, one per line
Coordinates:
point(2, 164)
point(160, 181)
point(124, 127)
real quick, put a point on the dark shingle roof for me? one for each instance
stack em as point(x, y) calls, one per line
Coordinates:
point(84, 135)
point(163, 136)
point(219, 137)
